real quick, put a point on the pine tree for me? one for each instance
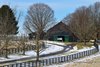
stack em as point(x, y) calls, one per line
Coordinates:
point(8, 22)
point(8, 26)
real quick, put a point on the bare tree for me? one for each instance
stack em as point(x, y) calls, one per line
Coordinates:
point(40, 16)
point(80, 24)
point(22, 42)
point(6, 44)
point(95, 17)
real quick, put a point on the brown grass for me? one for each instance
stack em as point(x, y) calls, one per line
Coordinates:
point(84, 65)
point(80, 45)
point(95, 62)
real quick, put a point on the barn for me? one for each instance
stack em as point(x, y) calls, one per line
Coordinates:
point(61, 32)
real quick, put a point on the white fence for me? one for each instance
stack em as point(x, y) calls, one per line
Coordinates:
point(49, 61)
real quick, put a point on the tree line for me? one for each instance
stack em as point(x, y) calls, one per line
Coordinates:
point(84, 23)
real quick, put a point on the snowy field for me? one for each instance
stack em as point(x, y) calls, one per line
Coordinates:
point(79, 61)
point(50, 49)
point(54, 42)
point(53, 48)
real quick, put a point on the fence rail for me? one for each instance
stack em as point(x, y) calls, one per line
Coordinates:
point(50, 61)
point(16, 50)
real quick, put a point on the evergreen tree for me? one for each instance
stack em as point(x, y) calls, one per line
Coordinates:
point(8, 26)
point(8, 22)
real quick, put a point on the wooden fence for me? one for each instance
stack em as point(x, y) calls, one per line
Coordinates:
point(50, 61)
point(16, 50)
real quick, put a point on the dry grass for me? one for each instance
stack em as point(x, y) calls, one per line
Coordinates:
point(84, 65)
point(95, 62)
point(81, 45)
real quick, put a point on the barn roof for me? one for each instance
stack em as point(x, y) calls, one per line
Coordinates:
point(60, 27)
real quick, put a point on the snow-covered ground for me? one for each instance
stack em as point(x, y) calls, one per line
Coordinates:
point(16, 56)
point(12, 57)
point(50, 49)
point(85, 59)
point(54, 42)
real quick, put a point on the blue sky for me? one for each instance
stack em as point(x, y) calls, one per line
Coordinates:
point(61, 7)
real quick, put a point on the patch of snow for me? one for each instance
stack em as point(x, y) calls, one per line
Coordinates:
point(54, 42)
point(52, 49)
point(99, 47)
point(30, 53)
point(2, 58)
point(16, 56)
point(75, 48)
point(12, 57)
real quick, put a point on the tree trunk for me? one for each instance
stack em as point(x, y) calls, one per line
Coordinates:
point(97, 35)
point(37, 50)
point(23, 49)
point(84, 41)
point(37, 59)
point(6, 54)
point(24, 52)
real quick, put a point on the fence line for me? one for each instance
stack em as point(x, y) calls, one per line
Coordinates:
point(17, 50)
point(55, 60)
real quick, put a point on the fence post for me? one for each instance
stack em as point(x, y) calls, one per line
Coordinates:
point(72, 56)
point(20, 64)
point(47, 62)
point(64, 58)
point(80, 54)
point(43, 62)
point(76, 56)
point(67, 58)
point(59, 59)
point(24, 64)
point(53, 60)
point(50, 61)
point(12, 65)
point(32, 64)
point(56, 60)
point(84, 53)
point(16, 65)
point(88, 53)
